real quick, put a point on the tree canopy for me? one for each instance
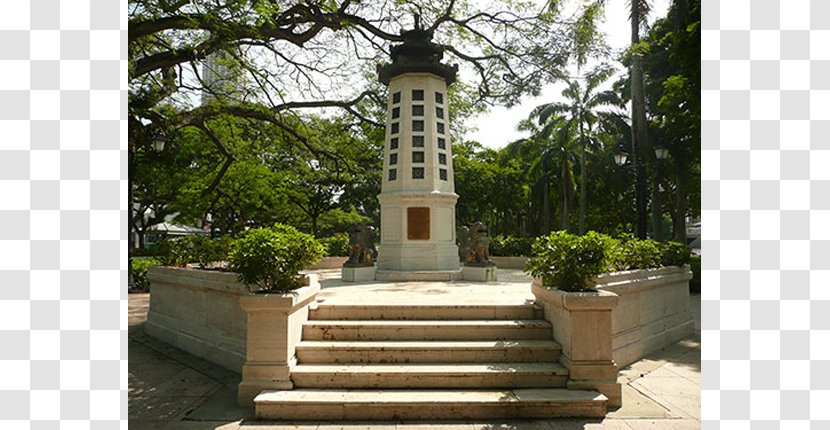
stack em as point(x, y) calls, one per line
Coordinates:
point(272, 112)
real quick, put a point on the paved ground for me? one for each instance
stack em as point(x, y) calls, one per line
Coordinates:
point(171, 389)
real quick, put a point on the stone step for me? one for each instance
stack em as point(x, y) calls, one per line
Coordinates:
point(427, 330)
point(524, 350)
point(324, 311)
point(340, 405)
point(474, 375)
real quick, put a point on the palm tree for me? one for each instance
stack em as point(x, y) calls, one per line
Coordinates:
point(581, 112)
point(551, 155)
point(639, 11)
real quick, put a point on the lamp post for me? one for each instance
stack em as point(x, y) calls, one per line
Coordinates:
point(660, 154)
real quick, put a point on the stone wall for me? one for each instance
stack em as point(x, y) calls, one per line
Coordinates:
point(198, 311)
point(653, 312)
point(328, 263)
point(509, 262)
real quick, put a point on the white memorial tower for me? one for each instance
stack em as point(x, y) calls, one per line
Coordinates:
point(417, 198)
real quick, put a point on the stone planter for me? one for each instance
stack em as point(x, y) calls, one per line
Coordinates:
point(274, 327)
point(582, 326)
point(198, 311)
point(653, 310)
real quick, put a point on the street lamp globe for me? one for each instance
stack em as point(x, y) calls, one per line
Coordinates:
point(158, 142)
point(621, 156)
point(661, 152)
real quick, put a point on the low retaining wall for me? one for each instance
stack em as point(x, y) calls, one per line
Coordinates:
point(509, 262)
point(653, 311)
point(328, 263)
point(198, 311)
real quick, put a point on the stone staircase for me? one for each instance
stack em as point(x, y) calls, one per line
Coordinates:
point(378, 362)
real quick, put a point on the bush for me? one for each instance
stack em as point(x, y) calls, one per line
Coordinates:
point(138, 269)
point(569, 262)
point(629, 253)
point(511, 246)
point(270, 259)
point(675, 254)
point(694, 284)
point(195, 248)
point(337, 245)
point(176, 251)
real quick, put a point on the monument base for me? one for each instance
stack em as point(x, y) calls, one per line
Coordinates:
point(357, 274)
point(479, 273)
point(423, 275)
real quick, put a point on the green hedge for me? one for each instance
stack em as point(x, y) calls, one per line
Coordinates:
point(571, 262)
point(195, 248)
point(337, 245)
point(138, 269)
point(508, 246)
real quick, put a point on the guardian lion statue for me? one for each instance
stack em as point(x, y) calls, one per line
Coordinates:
point(362, 251)
point(479, 246)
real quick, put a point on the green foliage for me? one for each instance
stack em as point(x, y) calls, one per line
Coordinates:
point(270, 259)
point(194, 248)
point(338, 220)
point(694, 284)
point(675, 254)
point(630, 253)
point(176, 251)
point(138, 269)
point(337, 245)
point(568, 262)
point(511, 246)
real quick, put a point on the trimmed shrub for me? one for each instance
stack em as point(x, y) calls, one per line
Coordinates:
point(569, 262)
point(629, 253)
point(176, 251)
point(509, 246)
point(270, 259)
point(675, 254)
point(337, 245)
point(138, 269)
point(195, 248)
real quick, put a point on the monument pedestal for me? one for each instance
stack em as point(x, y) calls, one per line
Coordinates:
point(357, 274)
point(415, 275)
point(479, 273)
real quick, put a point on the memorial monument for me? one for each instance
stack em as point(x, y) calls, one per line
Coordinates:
point(417, 196)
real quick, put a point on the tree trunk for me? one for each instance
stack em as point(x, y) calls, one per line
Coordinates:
point(565, 180)
point(546, 207)
point(638, 123)
point(680, 215)
point(582, 180)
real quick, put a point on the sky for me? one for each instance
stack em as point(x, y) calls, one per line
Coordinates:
point(497, 128)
